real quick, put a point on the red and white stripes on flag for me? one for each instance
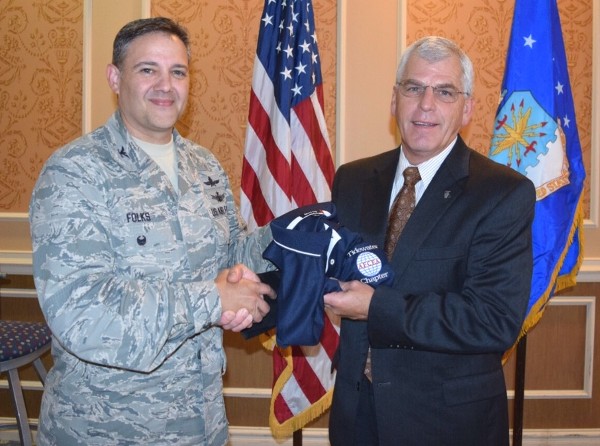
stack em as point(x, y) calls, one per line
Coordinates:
point(302, 381)
point(287, 164)
point(287, 161)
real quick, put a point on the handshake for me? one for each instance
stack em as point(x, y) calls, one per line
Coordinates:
point(315, 256)
point(242, 297)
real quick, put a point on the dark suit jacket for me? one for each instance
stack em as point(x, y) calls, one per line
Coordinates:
point(463, 270)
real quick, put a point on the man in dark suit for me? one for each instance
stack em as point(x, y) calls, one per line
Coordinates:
point(462, 263)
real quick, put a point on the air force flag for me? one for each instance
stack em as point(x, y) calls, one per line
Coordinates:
point(536, 134)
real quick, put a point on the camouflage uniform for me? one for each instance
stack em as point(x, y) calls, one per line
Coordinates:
point(125, 269)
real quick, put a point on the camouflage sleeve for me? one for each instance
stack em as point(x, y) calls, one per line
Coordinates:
point(244, 247)
point(248, 247)
point(96, 312)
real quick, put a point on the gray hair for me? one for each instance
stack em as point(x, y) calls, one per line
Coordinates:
point(434, 49)
point(141, 27)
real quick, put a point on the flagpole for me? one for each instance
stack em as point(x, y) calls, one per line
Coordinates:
point(519, 392)
point(297, 438)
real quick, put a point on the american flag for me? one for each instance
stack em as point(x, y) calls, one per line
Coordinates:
point(287, 164)
point(287, 159)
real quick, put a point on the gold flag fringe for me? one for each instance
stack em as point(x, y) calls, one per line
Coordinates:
point(288, 427)
point(556, 283)
point(298, 421)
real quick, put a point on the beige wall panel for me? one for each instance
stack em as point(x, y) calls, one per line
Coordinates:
point(367, 58)
point(41, 109)
point(549, 361)
point(555, 351)
point(249, 363)
point(104, 18)
point(14, 233)
point(560, 337)
point(247, 412)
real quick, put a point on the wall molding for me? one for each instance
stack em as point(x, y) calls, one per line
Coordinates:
point(589, 302)
point(245, 436)
point(16, 262)
point(19, 293)
point(228, 392)
point(261, 436)
point(19, 263)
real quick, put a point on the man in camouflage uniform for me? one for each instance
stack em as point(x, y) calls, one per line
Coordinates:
point(137, 246)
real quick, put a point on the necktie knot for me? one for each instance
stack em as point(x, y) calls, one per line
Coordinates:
point(411, 176)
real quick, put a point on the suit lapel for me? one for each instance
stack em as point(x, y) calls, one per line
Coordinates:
point(444, 189)
point(376, 199)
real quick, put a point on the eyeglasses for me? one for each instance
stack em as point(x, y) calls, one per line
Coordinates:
point(444, 94)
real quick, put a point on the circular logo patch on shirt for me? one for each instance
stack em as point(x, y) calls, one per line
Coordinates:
point(368, 264)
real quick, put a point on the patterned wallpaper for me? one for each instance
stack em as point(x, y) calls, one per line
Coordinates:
point(40, 90)
point(41, 73)
point(482, 28)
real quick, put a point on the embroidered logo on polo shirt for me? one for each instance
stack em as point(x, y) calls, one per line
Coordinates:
point(368, 264)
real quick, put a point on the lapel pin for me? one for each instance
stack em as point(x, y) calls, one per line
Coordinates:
point(446, 194)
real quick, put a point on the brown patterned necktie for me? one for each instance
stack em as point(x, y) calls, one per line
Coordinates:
point(403, 205)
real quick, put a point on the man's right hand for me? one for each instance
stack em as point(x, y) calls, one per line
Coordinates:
point(242, 299)
point(236, 321)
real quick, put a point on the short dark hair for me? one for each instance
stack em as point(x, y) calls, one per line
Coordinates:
point(140, 27)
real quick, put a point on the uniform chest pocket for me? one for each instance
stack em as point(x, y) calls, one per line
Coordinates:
point(148, 248)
